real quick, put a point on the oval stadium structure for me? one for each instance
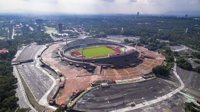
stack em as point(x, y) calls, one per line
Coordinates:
point(97, 52)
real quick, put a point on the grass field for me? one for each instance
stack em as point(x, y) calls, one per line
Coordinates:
point(2, 38)
point(100, 51)
point(50, 30)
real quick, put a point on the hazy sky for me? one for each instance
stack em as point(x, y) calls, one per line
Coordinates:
point(100, 6)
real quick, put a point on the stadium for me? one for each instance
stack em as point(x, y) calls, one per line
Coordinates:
point(98, 61)
point(97, 52)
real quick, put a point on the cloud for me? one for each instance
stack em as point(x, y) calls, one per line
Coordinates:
point(132, 0)
point(99, 6)
point(108, 0)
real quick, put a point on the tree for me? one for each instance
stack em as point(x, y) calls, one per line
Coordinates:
point(23, 110)
point(161, 70)
point(181, 62)
point(8, 100)
point(197, 69)
point(196, 55)
point(191, 107)
point(60, 109)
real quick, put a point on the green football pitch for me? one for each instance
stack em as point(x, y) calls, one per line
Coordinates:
point(96, 51)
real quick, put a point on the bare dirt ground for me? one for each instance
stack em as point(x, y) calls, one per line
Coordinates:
point(80, 79)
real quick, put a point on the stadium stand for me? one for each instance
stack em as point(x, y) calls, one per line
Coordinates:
point(118, 61)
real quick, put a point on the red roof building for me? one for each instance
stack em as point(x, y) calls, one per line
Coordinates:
point(4, 51)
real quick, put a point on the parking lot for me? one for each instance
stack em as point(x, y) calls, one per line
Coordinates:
point(190, 79)
point(173, 104)
point(120, 96)
point(28, 53)
point(37, 81)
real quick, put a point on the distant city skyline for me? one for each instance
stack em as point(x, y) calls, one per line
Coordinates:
point(154, 7)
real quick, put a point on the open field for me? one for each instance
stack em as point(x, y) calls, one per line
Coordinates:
point(50, 30)
point(1, 38)
point(96, 51)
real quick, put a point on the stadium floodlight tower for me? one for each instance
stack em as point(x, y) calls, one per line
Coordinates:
point(124, 50)
point(136, 45)
point(82, 46)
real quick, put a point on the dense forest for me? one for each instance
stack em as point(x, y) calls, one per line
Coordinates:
point(178, 30)
point(8, 100)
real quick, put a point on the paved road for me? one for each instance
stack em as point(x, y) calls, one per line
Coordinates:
point(13, 33)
